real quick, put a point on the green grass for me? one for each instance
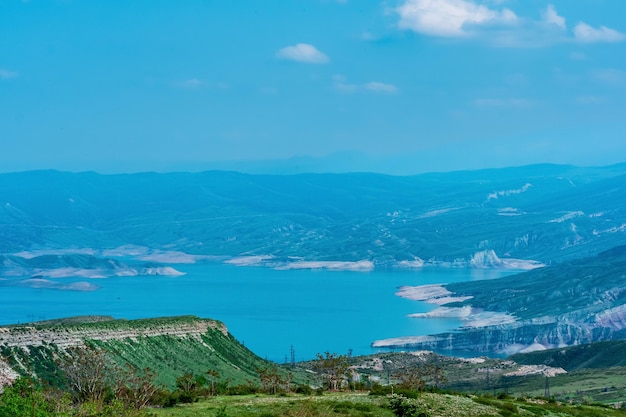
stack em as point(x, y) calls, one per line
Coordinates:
point(590, 385)
point(340, 404)
point(364, 405)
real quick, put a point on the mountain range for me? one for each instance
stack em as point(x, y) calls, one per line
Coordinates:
point(520, 217)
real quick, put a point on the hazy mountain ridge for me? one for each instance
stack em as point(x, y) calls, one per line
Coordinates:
point(545, 213)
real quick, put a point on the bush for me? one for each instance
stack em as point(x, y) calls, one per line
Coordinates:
point(303, 389)
point(380, 390)
point(406, 407)
point(221, 412)
point(162, 398)
point(20, 398)
point(503, 395)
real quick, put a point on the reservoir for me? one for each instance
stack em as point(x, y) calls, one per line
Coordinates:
point(268, 310)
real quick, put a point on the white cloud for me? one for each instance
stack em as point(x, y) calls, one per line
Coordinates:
point(380, 87)
point(6, 74)
point(577, 56)
point(341, 84)
point(551, 16)
point(303, 52)
point(488, 21)
point(368, 36)
point(516, 79)
point(448, 18)
point(610, 76)
point(191, 83)
point(588, 34)
point(345, 87)
point(591, 100)
point(197, 84)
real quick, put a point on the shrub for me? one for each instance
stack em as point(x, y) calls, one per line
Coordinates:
point(221, 412)
point(303, 389)
point(406, 407)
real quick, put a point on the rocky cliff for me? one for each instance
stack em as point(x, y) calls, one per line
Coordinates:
point(568, 304)
point(75, 335)
point(171, 346)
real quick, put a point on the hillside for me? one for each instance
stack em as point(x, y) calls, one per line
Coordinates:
point(579, 301)
point(588, 356)
point(589, 373)
point(190, 345)
point(170, 346)
point(514, 217)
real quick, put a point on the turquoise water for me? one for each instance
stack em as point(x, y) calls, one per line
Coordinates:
point(268, 310)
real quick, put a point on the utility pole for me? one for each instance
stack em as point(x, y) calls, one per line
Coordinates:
point(488, 383)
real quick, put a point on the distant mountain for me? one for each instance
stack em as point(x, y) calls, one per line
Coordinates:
point(576, 302)
point(488, 218)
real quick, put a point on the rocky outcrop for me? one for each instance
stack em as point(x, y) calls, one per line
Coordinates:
point(508, 339)
point(69, 336)
point(7, 374)
point(171, 346)
point(572, 303)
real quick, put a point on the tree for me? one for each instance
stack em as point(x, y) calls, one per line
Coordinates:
point(187, 386)
point(136, 388)
point(332, 367)
point(436, 374)
point(272, 381)
point(89, 374)
point(186, 382)
point(213, 376)
point(415, 377)
point(22, 399)
point(411, 377)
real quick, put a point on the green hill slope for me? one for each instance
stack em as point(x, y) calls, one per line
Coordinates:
point(170, 346)
point(587, 356)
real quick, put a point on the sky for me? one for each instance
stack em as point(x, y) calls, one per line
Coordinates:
point(394, 86)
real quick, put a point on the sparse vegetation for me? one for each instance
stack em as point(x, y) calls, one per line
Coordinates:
point(214, 375)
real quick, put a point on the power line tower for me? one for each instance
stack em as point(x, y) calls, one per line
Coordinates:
point(546, 391)
point(293, 357)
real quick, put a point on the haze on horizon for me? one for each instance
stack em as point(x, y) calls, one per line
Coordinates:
point(393, 86)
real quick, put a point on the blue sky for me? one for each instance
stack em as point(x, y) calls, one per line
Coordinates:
point(399, 86)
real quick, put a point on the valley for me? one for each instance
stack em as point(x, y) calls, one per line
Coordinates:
point(95, 230)
point(491, 263)
point(177, 346)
